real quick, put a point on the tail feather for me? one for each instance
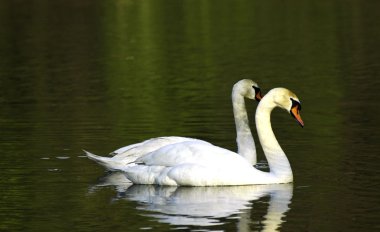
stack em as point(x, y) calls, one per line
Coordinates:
point(106, 162)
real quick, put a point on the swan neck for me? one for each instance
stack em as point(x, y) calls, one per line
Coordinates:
point(278, 163)
point(244, 139)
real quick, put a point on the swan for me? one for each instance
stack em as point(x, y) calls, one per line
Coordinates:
point(193, 163)
point(246, 146)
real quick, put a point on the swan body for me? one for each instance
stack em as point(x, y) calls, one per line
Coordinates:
point(195, 163)
point(192, 163)
point(246, 147)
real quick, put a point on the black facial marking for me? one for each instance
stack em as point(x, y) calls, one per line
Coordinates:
point(295, 103)
point(257, 89)
point(257, 93)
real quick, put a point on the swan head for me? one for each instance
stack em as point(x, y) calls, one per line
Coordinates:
point(248, 89)
point(288, 101)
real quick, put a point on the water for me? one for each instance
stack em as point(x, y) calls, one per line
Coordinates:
point(98, 75)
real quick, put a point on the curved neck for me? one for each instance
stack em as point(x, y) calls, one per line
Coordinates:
point(278, 162)
point(244, 139)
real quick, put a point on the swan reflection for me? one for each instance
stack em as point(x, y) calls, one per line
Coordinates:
point(206, 206)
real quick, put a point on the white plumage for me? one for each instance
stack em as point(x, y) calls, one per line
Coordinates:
point(197, 163)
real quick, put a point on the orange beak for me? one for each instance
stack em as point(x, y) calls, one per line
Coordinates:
point(258, 96)
point(296, 114)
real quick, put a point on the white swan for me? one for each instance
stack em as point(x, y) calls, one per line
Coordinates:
point(246, 146)
point(193, 163)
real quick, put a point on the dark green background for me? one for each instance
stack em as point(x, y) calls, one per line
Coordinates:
point(99, 75)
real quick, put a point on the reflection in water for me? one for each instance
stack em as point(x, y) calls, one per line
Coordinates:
point(205, 206)
point(117, 179)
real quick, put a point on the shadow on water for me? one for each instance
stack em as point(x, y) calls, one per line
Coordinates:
point(205, 206)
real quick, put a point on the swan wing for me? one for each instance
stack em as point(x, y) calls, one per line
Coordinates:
point(191, 152)
point(147, 146)
point(128, 154)
point(190, 163)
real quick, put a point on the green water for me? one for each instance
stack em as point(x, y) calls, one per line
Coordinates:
point(99, 75)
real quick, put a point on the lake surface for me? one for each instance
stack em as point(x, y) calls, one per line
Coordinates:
point(98, 75)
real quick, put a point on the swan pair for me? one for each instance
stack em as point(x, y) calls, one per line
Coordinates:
point(181, 161)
